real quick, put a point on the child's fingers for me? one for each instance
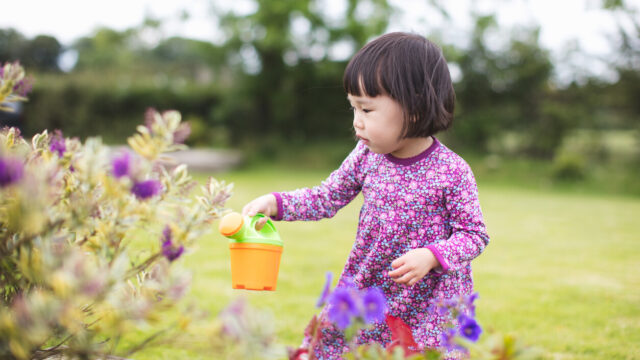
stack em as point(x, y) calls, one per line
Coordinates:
point(398, 272)
point(246, 210)
point(405, 279)
point(397, 262)
point(260, 223)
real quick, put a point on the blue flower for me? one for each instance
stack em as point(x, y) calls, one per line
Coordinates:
point(469, 328)
point(168, 249)
point(342, 307)
point(11, 171)
point(121, 165)
point(374, 305)
point(146, 189)
point(326, 291)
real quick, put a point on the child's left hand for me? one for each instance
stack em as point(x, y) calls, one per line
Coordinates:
point(413, 266)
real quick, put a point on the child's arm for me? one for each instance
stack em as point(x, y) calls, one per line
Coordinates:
point(467, 240)
point(319, 202)
point(469, 235)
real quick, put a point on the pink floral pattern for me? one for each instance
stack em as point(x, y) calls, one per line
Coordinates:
point(430, 200)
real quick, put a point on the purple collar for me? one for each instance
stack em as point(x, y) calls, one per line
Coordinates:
point(414, 159)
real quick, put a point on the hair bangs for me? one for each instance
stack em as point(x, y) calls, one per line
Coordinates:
point(363, 74)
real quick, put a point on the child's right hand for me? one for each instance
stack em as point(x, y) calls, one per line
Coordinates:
point(265, 204)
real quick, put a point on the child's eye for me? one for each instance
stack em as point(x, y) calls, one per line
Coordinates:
point(366, 110)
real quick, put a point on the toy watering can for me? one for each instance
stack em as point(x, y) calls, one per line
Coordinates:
point(255, 254)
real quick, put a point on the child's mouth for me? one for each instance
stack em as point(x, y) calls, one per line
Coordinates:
point(364, 140)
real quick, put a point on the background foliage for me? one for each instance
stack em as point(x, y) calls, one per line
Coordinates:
point(274, 82)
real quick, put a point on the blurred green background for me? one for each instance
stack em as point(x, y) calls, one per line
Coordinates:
point(270, 91)
point(557, 160)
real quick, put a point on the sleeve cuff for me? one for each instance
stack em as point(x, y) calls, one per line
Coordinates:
point(443, 262)
point(280, 214)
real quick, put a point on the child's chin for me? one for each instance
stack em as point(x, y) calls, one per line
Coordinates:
point(376, 150)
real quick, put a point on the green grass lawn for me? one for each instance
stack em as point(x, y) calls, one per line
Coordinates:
point(562, 271)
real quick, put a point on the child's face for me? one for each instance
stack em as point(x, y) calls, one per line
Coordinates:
point(378, 123)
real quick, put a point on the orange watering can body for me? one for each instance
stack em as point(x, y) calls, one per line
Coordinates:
point(255, 255)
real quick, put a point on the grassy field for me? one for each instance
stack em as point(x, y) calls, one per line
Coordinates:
point(561, 272)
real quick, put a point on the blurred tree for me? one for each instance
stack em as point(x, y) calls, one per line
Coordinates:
point(505, 90)
point(199, 60)
point(627, 61)
point(281, 53)
point(42, 53)
point(11, 45)
point(106, 49)
point(621, 98)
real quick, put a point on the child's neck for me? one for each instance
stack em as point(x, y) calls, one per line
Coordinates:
point(412, 147)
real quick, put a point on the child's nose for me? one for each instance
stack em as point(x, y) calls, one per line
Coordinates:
point(357, 122)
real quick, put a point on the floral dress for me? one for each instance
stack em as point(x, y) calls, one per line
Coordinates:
point(429, 200)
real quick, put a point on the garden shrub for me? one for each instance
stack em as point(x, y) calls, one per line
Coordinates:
point(88, 238)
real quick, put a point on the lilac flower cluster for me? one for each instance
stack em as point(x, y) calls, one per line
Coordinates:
point(464, 311)
point(169, 250)
point(22, 85)
point(346, 303)
point(179, 135)
point(146, 189)
point(11, 171)
point(57, 145)
point(121, 166)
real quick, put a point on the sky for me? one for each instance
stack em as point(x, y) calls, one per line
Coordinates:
point(565, 24)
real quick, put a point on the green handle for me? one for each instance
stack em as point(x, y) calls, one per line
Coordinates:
point(267, 235)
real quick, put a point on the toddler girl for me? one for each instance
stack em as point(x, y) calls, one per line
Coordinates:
point(420, 224)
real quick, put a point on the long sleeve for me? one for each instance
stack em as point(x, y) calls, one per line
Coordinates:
point(468, 232)
point(323, 201)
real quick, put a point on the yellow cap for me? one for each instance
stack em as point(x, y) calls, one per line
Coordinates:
point(231, 224)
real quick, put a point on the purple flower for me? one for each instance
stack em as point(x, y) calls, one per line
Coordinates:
point(342, 307)
point(166, 234)
point(23, 87)
point(11, 171)
point(170, 251)
point(146, 189)
point(469, 302)
point(346, 282)
point(442, 309)
point(57, 144)
point(121, 165)
point(374, 305)
point(326, 291)
point(469, 328)
point(234, 319)
point(447, 340)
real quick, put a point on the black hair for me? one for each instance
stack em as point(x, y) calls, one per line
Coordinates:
point(411, 70)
